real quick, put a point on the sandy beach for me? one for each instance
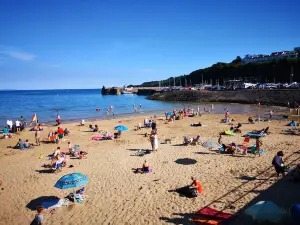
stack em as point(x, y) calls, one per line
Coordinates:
point(116, 195)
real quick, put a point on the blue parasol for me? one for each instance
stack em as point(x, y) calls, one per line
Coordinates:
point(121, 128)
point(71, 180)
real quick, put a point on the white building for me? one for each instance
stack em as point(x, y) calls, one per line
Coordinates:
point(272, 56)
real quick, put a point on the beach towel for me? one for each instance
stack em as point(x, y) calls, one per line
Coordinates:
point(229, 132)
point(291, 131)
point(209, 215)
point(255, 135)
point(55, 203)
point(101, 137)
point(253, 150)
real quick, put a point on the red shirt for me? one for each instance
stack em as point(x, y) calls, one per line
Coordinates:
point(60, 131)
point(198, 186)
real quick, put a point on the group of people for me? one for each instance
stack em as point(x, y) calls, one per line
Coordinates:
point(57, 135)
point(18, 126)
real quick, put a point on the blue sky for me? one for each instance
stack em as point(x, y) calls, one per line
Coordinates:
point(49, 44)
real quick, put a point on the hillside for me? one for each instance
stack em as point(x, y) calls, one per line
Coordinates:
point(273, 71)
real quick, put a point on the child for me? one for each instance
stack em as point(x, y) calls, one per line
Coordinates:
point(39, 217)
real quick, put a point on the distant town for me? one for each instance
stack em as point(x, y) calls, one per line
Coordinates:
point(273, 56)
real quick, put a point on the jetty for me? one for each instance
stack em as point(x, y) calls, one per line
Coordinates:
point(136, 90)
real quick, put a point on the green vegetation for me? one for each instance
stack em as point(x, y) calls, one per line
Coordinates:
point(272, 71)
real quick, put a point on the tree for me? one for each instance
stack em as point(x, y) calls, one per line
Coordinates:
point(238, 60)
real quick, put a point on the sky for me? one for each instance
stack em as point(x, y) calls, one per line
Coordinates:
point(57, 44)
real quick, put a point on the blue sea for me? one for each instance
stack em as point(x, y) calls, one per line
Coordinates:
point(82, 104)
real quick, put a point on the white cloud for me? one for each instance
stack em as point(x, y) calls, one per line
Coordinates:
point(19, 55)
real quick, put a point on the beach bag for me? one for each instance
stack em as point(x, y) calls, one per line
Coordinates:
point(194, 192)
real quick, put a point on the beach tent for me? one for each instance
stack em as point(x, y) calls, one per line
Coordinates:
point(265, 211)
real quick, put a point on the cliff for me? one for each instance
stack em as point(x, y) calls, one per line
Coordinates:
point(265, 97)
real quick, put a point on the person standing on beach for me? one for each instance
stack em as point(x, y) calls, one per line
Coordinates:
point(257, 146)
point(58, 119)
point(37, 137)
point(39, 217)
point(140, 107)
point(212, 107)
point(18, 123)
point(134, 108)
point(154, 140)
point(271, 114)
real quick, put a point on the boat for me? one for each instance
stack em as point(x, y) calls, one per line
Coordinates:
point(126, 92)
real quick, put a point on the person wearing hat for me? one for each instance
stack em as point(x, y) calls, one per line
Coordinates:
point(279, 164)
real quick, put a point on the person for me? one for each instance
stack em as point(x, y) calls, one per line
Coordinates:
point(196, 185)
point(107, 112)
point(5, 130)
point(146, 122)
point(20, 145)
point(212, 107)
point(278, 164)
point(271, 114)
point(82, 122)
point(118, 134)
point(220, 140)
point(140, 106)
point(91, 127)
point(196, 124)
point(22, 119)
point(18, 124)
point(96, 129)
point(37, 137)
point(154, 125)
point(60, 132)
point(56, 152)
point(66, 132)
point(27, 144)
point(39, 217)
point(58, 119)
point(250, 120)
point(145, 167)
point(154, 140)
point(9, 124)
point(258, 105)
point(257, 146)
point(70, 147)
point(227, 115)
point(139, 127)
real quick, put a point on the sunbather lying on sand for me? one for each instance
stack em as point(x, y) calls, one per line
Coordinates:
point(196, 124)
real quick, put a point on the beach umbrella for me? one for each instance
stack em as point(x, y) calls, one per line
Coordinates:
point(211, 144)
point(121, 128)
point(265, 211)
point(71, 180)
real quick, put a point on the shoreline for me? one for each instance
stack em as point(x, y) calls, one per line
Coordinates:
point(148, 113)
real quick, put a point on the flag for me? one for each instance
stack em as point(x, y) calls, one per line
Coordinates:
point(34, 118)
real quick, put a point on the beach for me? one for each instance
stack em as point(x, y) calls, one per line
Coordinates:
point(116, 195)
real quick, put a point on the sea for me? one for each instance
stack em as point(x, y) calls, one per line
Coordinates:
point(74, 105)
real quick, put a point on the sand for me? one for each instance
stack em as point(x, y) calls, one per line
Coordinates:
point(119, 196)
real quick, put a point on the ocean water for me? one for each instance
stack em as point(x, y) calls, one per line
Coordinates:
point(82, 104)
